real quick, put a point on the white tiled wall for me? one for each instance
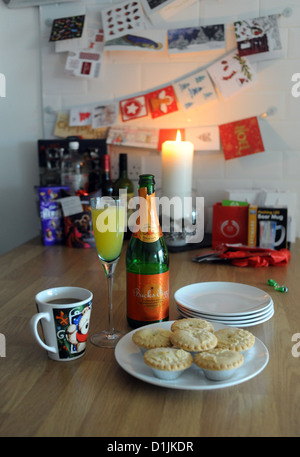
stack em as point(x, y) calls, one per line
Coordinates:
point(126, 73)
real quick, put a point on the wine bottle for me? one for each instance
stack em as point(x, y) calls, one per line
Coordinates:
point(107, 185)
point(124, 184)
point(147, 263)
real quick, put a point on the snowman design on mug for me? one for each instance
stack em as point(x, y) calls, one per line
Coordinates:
point(77, 332)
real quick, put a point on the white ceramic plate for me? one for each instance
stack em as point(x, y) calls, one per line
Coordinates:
point(131, 360)
point(222, 298)
point(227, 317)
point(235, 322)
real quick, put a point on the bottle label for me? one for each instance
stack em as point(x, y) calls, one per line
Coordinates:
point(147, 296)
point(147, 227)
point(146, 235)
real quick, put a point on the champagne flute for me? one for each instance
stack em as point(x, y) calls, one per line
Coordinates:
point(108, 216)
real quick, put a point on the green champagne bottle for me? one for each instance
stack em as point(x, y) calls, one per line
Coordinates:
point(147, 263)
point(123, 183)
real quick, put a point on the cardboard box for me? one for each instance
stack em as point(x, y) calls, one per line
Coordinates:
point(252, 225)
point(270, 198)
point(277, 215)
point(278, 199)
point(230, 224)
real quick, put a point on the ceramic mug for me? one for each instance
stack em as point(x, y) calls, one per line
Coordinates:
point(64, 314)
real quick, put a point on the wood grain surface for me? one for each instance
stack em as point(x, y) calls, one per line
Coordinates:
point(93, 396)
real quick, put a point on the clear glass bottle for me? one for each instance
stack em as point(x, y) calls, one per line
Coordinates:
point(52, 174)
point(72, 172)
point(147, 263)
point(67, 170)
point(81, 176)
point(124, 184)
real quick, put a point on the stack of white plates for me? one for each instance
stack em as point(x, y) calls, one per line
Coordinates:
point(228, 303)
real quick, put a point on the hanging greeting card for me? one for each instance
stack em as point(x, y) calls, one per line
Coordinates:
point(232, 74)
point(174, 8)
point(66, 28)
point(133, 136)
point(105, 115)
point(87, 62)
point(83, 64)
point(162, 101)
point(241, 138)
point(80, 116)
point(62, 129)
point(204, 138)
point(143, 40)
point(133, 108)
point(96, 39)
point(259, 38)
point(166, 8)
point(196, 39)
point(195, 90)
point(122, 18)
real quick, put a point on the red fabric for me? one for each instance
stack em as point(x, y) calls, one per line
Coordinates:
point(243, 256)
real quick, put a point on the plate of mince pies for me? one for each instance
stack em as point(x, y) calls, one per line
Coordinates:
point(191, 354)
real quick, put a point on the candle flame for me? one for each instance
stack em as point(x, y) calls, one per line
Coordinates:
point(178, 136)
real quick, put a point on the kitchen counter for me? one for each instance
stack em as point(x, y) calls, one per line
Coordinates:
point(94, 396)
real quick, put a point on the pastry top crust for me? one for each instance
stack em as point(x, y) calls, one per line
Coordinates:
point(194, 340)
point(191, 324)
point(236, 339)
point(168, 359)
point(153, 337)
point(219, 359)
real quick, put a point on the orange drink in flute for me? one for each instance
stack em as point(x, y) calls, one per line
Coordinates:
point(108, 216)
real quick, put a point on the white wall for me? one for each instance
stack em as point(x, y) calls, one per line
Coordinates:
point(20, 125)
point(124, 73)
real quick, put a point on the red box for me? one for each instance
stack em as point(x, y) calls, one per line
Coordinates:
point(230, 224)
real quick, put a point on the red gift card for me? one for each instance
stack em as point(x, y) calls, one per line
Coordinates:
point(133, 108)
point(241, 138)
point(162, 101)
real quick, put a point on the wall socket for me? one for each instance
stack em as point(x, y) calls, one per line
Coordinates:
point(134, 167)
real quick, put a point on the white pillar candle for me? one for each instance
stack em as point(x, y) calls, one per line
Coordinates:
point(177, 167)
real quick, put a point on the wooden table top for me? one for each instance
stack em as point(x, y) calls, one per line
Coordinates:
point(94, 396)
